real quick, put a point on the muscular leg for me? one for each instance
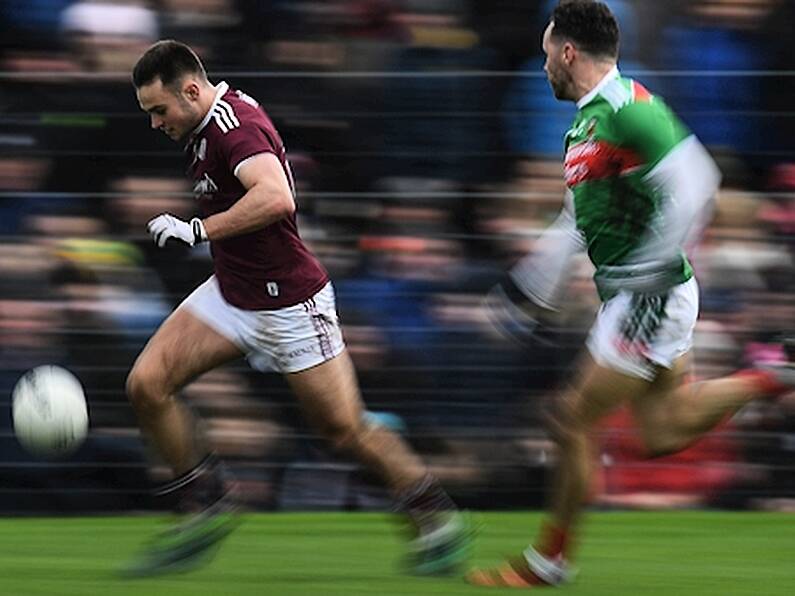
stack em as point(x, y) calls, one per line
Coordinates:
point(329, 395)
point(670, 414)
point(597, 392)
point(674, 414)
point(183, 348)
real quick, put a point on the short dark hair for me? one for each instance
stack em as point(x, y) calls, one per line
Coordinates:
point(169, 61)
point(589, 24)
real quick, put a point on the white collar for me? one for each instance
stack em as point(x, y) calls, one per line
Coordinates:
point(220, 90)
point(586, 99)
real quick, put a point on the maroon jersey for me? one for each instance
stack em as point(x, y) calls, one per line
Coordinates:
point(267, 269)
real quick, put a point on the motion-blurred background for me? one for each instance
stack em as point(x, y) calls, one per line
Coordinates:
point(427, 150)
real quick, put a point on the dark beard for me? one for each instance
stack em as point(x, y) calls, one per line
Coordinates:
point(560, 89)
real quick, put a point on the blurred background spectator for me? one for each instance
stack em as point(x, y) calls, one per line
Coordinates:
point(427, 150)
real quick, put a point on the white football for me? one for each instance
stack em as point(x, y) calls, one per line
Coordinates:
point(49, 411)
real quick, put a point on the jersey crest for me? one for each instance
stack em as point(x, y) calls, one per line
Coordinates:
point(205, 187)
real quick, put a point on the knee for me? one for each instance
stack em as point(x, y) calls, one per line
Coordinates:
point(146, 388)
point(563, 422)
point(344, 437)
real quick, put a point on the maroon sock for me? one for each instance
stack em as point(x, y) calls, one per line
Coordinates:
point(195, 489)
point(424, 501)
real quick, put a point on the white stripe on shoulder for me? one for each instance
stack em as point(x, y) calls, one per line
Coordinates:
point(225, 116)
point(219, 120)
point(230, 111)
point(616, 94)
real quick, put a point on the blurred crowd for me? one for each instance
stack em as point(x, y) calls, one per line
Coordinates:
point(427, 150)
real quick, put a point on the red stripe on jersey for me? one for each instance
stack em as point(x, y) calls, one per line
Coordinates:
point(640, 92)
point(596, 160)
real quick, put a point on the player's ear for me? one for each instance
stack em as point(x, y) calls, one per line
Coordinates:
point(191, 89)
point(569, 51)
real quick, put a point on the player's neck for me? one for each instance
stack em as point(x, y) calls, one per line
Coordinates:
point(207, 99)
point(590, 78)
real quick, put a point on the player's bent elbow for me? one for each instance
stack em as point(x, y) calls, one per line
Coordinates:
point(288, 206)
point(280, 207)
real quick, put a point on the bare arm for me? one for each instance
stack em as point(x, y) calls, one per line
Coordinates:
point(268, 199)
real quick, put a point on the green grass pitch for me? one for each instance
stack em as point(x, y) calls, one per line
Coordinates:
point(345, 554)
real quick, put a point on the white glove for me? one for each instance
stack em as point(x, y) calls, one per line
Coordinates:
point(166, 226)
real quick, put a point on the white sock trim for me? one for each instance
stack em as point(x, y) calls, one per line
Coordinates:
point(553, 572)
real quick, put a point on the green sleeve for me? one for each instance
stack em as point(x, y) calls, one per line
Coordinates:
point(650, 128)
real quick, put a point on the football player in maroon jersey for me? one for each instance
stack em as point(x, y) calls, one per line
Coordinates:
point(270, 300)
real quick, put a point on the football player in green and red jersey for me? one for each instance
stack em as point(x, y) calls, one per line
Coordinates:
point(639, 185)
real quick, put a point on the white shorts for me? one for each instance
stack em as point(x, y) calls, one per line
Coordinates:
point(637, 333)
point(285, 340)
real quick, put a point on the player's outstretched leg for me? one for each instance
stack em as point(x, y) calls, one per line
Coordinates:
point(441, 534)
point(678, 413)
point(209, 512)
point(182, 349)
point(571, 419)
point(670, 414)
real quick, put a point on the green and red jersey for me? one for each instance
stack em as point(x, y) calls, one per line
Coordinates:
point(621, 132)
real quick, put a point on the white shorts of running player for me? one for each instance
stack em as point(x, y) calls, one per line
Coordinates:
point(636, 334)
point(285, 340)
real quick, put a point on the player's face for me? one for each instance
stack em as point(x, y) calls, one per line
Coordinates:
point(555, 66)
point(175, 111)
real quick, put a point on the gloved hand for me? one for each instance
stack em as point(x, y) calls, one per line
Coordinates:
point(166, 226)
point(518, 317)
